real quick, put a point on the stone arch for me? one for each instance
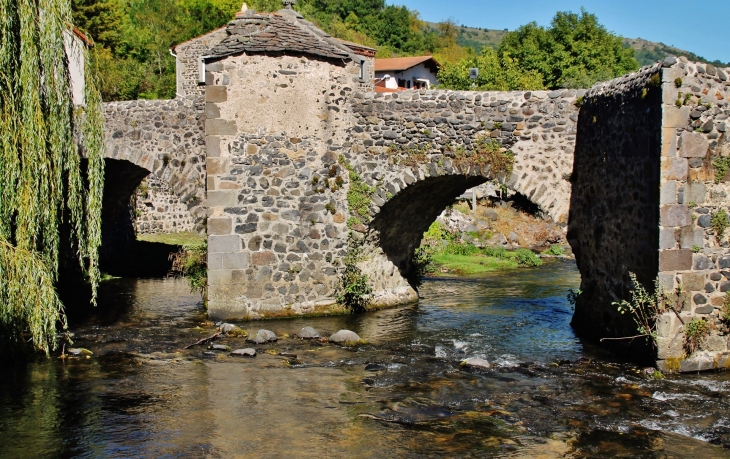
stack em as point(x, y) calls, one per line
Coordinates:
point(165, 139)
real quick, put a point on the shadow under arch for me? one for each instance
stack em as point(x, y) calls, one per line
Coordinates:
point(402, 220)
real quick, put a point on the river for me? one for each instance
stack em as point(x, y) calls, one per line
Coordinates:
point(402, 394)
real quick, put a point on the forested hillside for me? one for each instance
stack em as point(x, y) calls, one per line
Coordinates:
point(133, 40)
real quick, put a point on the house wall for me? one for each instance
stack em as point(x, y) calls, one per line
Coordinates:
point(419, 71)
point(187, 62)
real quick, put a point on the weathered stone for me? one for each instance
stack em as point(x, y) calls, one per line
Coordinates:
point(346, 337)
point(702, 262)
point(309, 333)
point(693, 281)
point(247, 352)
point(475, 362)
point(219, 225)
point(675, 215)
point(694, 145)
point(675, 260)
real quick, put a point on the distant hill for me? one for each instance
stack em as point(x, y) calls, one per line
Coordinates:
point(647, 52)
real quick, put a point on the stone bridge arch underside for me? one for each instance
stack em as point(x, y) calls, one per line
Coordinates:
point(163, 139)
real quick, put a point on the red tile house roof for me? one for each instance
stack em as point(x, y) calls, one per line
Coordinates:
point(399, 64)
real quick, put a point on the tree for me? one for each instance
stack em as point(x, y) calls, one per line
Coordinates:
point(43, 187)
point(99, 19)
point(497, 72)
point(576, 51)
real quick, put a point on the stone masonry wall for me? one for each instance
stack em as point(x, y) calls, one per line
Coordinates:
point(164, 137)
point(273, 239)
point(693, 258)
point(159, 211)
point(614, 208)
point(645, 188)
point(188, 58)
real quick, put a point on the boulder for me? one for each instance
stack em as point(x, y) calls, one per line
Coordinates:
point(248, 352)
point(345, 337)
point(476, 362)
point(309, 333)
point(491, 215)
point(230, 329)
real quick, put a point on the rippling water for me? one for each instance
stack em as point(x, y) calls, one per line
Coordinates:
point(403, 394)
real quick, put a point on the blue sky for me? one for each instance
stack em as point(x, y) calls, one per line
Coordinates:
point(699, 26)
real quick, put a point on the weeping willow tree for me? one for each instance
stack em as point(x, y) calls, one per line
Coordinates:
point(45, 192)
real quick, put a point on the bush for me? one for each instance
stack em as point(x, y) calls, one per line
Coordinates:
point(527, 258)
point(354, 291)
point(555, 249)
point(191, 262)
point(496, 252)
point(720, 222)
point(695, 332)
point(461, 249)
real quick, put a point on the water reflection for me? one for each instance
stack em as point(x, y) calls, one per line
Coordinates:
point(403, 394)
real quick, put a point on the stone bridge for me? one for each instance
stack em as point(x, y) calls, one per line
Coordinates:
point(304, 165)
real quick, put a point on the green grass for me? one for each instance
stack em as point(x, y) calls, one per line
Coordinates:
point(174, 238)
point(473, 264)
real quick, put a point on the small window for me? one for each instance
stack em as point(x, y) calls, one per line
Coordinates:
point(201, 76)
point(362, 69)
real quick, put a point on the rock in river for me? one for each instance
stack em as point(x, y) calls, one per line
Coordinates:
point(475, 362)
point(263, 336)
point(230, 329)
point(79, 351)
point(248, 352)
point(345, 337)
point(218, 347)
point(309, 333)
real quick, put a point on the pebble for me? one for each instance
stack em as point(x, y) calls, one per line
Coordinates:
point(309, 333)
point(345, 336)
point(248, 352)
point(475, 362)
point(218, 347)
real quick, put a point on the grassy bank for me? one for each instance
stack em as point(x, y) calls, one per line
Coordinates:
point(467, 259)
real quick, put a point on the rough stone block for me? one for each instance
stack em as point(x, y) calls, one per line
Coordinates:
point(675, 168)
point(222, 198)
point(236, 260)
point(219, 276)
point(217, 166)
point(675, 215)
point(715, 343)
point(670, 347)
point(212, 111)
point(694, 145)
point(667, 239)
point(214, 260)
point(220, 225)
point(690, 237)
point(699, 361)
point(674, 117)
point(263, 258)
point(220, 94)
point(675, 260)
point(695, 192)
point(212, 146)
point(668, 193)
point(220, 127)
point(667, 325)
point(693, 282)
point(702, 262)
point(669, 142)
point(224, 244)
point(666, 281)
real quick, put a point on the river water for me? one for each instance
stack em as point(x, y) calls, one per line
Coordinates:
point(402, 394)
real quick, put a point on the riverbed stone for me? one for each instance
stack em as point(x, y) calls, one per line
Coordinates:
point(476, 362)
point(218, 347)
point(309, 333)
point(263, 336)
point(247, 352)
point(694, 145)
point(345, 337)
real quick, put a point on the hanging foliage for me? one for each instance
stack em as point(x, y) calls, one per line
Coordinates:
point(43, 185)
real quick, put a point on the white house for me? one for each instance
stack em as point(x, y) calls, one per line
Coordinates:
point(74, 41)
point(406, 73)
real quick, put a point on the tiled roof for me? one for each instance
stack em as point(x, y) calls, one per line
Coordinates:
point(398, 64)
point(277, 32)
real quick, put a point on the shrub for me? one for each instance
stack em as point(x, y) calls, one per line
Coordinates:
point(695, 331)
point(720, 222)
point(461, 249)
point(644, 308)
point(354, 291)
point(496, 252)
point(527, 258)
point(191, 262)
point(555, 249)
